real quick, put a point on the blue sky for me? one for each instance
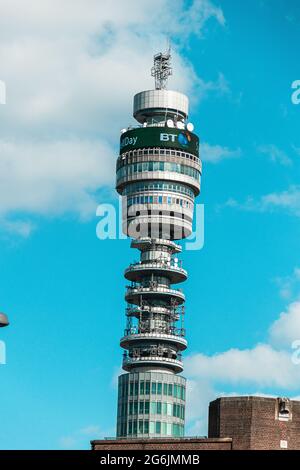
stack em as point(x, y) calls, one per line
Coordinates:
point(70, 74)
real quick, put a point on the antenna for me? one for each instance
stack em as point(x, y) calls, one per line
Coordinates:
point(162, 69)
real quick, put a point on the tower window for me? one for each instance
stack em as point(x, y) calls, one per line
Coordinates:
point(158, 427)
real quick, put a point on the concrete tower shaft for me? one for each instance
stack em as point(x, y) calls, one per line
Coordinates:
point(158, 177)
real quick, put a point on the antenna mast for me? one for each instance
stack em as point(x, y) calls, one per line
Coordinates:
point(162, 69)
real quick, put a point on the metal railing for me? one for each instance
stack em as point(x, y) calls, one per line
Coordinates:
point(130, 360)
point(160, 151)
point(171, 313)
point(180, 332)
point(160, 241)
point(156, 264)
point(156, 289)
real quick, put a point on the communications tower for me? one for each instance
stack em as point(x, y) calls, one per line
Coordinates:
point(158, 177)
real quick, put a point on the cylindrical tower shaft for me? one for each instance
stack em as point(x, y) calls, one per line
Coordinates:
point(158, 176)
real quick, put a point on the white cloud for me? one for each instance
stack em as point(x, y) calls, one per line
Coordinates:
point(287, 201)
point(54, 176)
point(67, 442)
point(217, 153)
point(286, 329)
point(264, 367)
point(71, 70)
point(198, 394)
point(261, 366)
point(289, 286)
point(91, 430)
point(79, 438)
point(275, 154)
point(296, 149)
point(21, 228)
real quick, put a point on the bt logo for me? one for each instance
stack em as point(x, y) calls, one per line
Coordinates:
point(183, 138)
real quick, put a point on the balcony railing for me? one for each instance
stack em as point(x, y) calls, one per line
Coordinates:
point(133, 360)
point(155, 331)
point(154, 289)
point(159, 152)
point(159, 241)
point(155, 265)
point(172, 313)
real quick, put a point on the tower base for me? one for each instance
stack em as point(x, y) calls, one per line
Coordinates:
point(151, 404)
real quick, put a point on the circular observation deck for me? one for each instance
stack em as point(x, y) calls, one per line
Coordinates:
point(147, 243)
point(136, 272)
point(156, 103)
point(152, 361)
point(130, 340)
point(136, 311)
point(134, 294)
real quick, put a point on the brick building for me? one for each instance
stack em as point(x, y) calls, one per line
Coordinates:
point(171, 444)
point(256, 422)
point(235, 423)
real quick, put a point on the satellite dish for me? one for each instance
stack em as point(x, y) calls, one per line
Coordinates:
point(190, 127)
point(123, 130)
point(170, 123)
point(180, 125)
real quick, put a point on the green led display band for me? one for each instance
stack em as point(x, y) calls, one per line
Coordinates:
point(165, 137)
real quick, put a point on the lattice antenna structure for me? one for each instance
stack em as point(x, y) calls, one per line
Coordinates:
point(162, 69)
